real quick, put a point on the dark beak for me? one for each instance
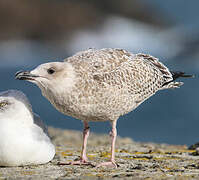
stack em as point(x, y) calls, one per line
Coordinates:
point(25, 75)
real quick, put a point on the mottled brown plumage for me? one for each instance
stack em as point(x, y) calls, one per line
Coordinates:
point(101, 85)
point(114, 81)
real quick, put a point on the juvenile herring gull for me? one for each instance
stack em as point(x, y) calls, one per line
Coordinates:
point(23, 136)
point(101, 85)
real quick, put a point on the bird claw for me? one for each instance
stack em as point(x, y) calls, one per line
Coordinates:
point(107, 164)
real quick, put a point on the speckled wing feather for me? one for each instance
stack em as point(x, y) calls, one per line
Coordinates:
point(118, 79)
point(103, 60)
point(106, 64)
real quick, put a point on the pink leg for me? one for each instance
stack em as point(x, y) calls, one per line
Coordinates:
point(86, 133)
point(113, 135)
point(83, 158)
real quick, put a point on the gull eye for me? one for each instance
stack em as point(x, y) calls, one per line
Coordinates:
point(50, 71)
point(3, 104)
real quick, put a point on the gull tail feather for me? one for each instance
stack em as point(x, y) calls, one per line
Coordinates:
point(176, 75)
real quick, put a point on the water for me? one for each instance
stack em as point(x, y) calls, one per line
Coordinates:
point(170, 116)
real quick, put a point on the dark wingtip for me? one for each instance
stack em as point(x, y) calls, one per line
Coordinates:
point(17, 74)
point(178, 74)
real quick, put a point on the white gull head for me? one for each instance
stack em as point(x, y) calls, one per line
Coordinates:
point(53, 77)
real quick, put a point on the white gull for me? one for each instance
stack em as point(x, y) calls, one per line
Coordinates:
point(23, 136)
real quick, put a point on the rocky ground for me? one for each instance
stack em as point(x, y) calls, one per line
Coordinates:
point(136, 160)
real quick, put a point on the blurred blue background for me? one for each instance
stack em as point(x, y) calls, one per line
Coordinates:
point(34, 32)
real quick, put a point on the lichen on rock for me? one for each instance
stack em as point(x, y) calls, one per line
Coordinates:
point(135, 160)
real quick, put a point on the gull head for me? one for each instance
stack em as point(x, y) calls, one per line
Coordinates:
point(14, 103)
point(53, 76)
